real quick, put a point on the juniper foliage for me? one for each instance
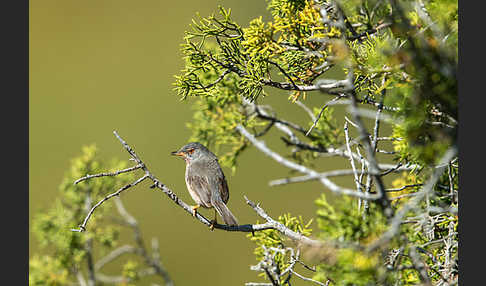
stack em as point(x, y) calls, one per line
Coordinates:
point(398, 59)
point(401, 58)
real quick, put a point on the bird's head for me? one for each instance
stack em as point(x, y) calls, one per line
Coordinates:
point(194, 151)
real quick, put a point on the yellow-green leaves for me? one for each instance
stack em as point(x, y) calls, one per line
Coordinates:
point(46, 270)
point(52, 227)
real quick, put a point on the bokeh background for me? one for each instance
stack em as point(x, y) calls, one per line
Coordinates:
point(98, 66)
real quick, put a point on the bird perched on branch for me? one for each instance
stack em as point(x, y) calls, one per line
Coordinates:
point(205, 181)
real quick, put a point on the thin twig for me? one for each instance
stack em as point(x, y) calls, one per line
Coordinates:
point(114, 254)
point(299, 179)
point(308, 279)
point(351, 159)
point(220, 78)
point(328, 86)
point(269, 224)
point(321, 112)
point(154, 261)
point(325, 181)
point(403, 187)
point(306, 109)
point(283, 72)
point(413, 203)
point(383, 200)
point(82, 227)
point(108, 174)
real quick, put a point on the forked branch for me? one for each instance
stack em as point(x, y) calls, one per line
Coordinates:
point(269, 224)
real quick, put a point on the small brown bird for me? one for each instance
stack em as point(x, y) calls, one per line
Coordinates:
point(205, 181)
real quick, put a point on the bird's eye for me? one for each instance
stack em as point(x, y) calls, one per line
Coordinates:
point(190, 151)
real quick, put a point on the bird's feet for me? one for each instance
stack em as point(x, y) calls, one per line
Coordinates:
point(214, 221)
point(194, 210)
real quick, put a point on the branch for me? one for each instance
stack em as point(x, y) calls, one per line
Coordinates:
point(270, 222)
point(299, 179)
point(154, 261)
point(306, 109)
point(369, 32)
point(403, 188)
point(326, 182)
point(413, 203)
point(264, 115)
point(89, 248)
point(220, 78)
point(283, 72)
point(321, 112)
point(383, 200)
point(114, 254)
point(269, 266)
point(373, 147)
point(280, 227)
point(108, 174)
point(328, 86)
point(82, 227)
point(355, 172)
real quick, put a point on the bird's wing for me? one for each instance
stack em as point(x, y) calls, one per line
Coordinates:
point(219, 181)
point(217, 186)
point(223, 189)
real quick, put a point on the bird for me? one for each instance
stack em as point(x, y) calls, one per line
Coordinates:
point(206, 182)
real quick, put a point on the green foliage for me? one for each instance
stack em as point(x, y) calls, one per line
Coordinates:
point(130, 272)
point(343, 221)
point(52, 227)
point(272, 238)
point(46, 270)
point(403, 56)
point(326, 131)
point(351, 268)
point(415, 64)
point(226, 65)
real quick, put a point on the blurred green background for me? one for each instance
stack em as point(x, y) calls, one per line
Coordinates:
point(98, 66)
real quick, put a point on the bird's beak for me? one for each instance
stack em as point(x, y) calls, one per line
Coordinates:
point(177, 153)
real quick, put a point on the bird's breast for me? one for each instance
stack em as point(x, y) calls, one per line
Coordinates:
point(198, 188)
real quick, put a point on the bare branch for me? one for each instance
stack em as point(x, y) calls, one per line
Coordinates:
point(427, 188)
point(154, 261)
point(270, 222)
point(280, 227)
point(321, 112)
point(351, 159)
point(114, 254)
point(89, 249)
point(374, 145)
point(308, 279)
point(264, 115)
point(82, 227)
point(420, 266)
point(328, 86)
point(108, 174)
point(325, 181)
point(80, 278)
point(369, 32)
point(403, 188)
point(373, 164)
point(306, 109)
point(299, 179)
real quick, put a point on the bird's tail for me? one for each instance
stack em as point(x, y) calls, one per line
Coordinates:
point(225, 213)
